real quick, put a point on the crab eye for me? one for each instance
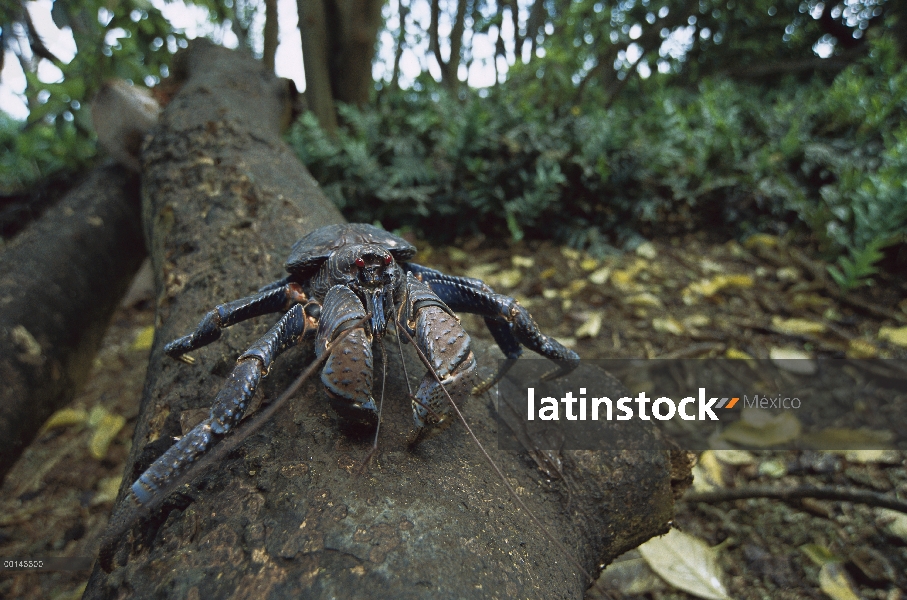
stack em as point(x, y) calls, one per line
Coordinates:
point(388, 259)
point(360, 262)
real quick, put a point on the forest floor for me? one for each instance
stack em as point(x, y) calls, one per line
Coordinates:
point(680, 298)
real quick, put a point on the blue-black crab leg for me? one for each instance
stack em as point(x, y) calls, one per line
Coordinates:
point(494, 465)
point(125, 516)
point(229, 405)
point(272, 298)
point(510, 324)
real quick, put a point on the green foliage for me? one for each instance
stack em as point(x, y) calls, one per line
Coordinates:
point(829, 159)
point(858, 270)
point(134, 42)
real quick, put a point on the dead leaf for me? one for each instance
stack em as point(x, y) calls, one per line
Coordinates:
point(707, 473)
point(588, 264)
point(107, 429)
point(820, 555)
point(842, 438)
point(591, 327)
point(896, 521)
point(861, 349)
point(644, 299)
point(797, 326)
point(761, 429)
point(760, 239)
point(667, 325)
point(66, 417)
point(518, 261)
point(835, 583)
point(144, 338)
point(631, 576)
point(897, 336)
point(647, 250)
point(735, 457)
point(687, 563)
point(601, 276)
point(793, 361)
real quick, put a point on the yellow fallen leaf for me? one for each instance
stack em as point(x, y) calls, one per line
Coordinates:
point(647, 250)
point(882, 457)
point(773, 468)
point(508, 278)
point(588, 264)
point(108, 488)
point(896, 521)
point(804, 300)
point(644, 299)
point(737, 354)
point(835, 583)
point(66, 417)
point(797, 326)
point(687, 563)
point(760, 239)
point(762, 430)
point(144, 338)
point(694, 321)
point(793, 360)
point(629, 577)
point(107, 429)
point(843, 438)
point(623, 280)
point(819, 554)
point(861, 349)
point(600, 276)
point(707, 473)
point(735, 457)
point(548, 273)
point(897, 336)
point(710, 287)
point(569, 253)
point(518, 261)
point(457, 255)
point(591, 327)
point(667, 325)
point(787, 274)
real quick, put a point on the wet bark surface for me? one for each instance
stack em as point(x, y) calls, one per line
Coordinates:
point(60, 281)
point(285, 514)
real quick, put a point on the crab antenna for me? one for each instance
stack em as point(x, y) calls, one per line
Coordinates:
point(374, 449)
point(497, 469)
point(397, 327)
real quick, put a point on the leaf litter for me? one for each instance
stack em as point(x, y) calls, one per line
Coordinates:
point(691, 299)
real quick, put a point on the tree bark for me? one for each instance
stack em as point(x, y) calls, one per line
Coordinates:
point(60, 281)
point(284, 515)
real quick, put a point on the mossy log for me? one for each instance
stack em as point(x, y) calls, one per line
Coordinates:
point(285, 514)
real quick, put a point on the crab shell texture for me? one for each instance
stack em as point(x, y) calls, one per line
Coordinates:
point(312, 250)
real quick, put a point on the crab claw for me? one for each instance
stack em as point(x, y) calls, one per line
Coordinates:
point(446, 345)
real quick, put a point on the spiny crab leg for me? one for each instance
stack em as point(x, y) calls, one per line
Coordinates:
point(129, 515)
point(494, 466)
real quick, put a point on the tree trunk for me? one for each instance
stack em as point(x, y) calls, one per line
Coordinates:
point(285, 515)
point(338, 45)
point(60, 281)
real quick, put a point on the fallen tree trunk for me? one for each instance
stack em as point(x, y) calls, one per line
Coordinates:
point(60, 281)
point(284, 515)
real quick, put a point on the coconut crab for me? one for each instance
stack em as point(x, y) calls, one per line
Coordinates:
point(354, 277)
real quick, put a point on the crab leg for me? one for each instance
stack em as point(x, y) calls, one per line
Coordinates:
point(274, 297)
point(510, 324)
point(229, 405)
point(347, 374)
point(440, 336)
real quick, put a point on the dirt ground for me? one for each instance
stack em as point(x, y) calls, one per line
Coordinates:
point(680, 298)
